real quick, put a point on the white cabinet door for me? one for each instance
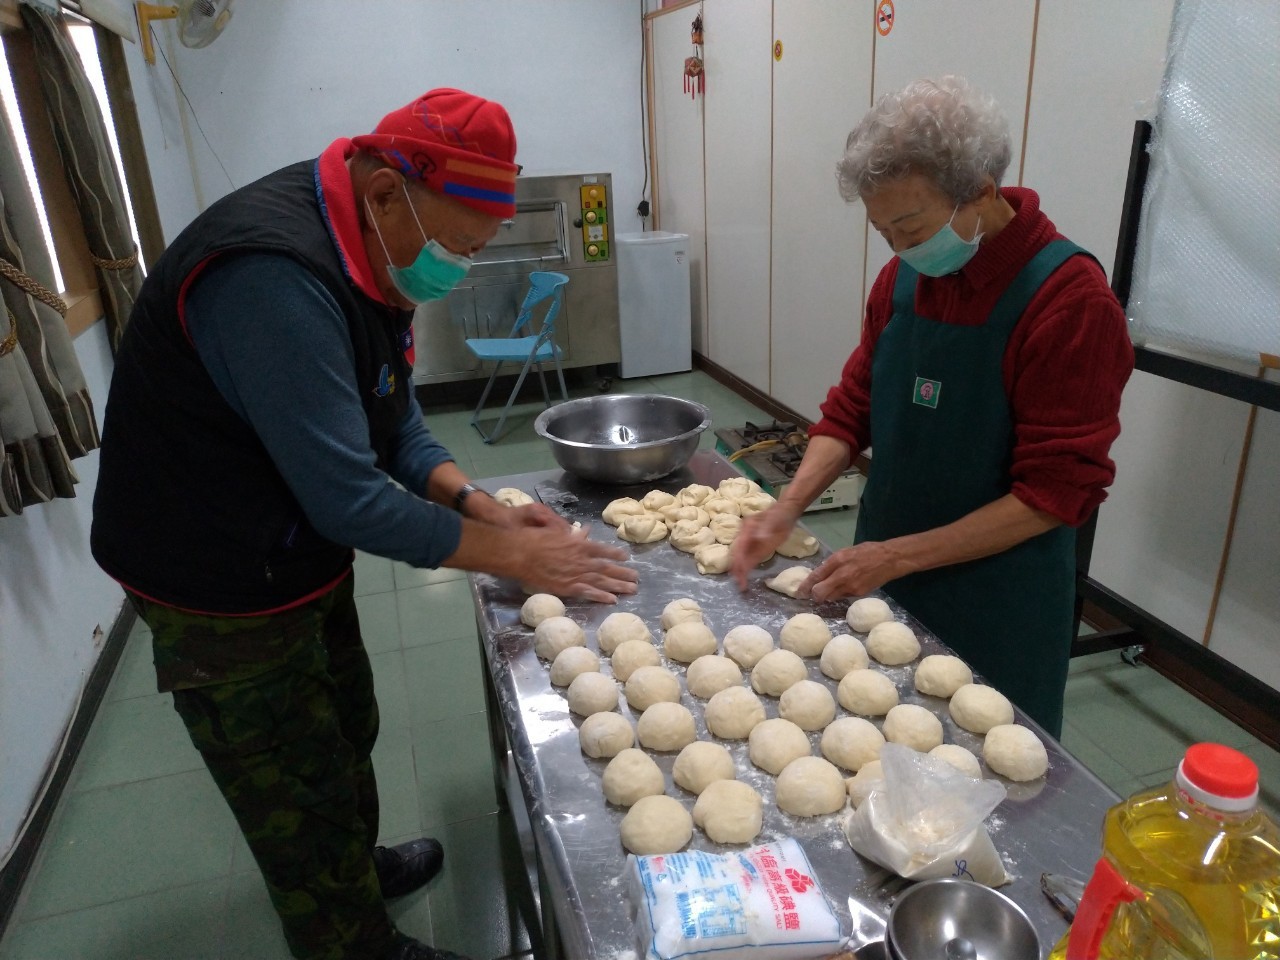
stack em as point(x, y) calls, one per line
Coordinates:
point(1097, 71)
point(677, 154)
point(738, 59)
point(986, 41)
point(818, 239)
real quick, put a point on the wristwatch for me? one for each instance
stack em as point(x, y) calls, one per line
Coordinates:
point(466, 490)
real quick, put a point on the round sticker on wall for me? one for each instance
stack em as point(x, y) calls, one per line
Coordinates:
point(884, 17)
point(777, 49)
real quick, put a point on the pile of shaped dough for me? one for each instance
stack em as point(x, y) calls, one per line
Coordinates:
point(725, 528)
point(755, 503)
point(655, 500)
point(681, 513)
point(978, 708)
point(864, 614)
point(735, 488)
point(1014, 751)
point(712, 558)
point(539, 607)
point(645, 528)
point(623, 507)
point(810, 787)
point(729, 811)
point(799, 544)
point(700, 764)
point(512, 497)
point(688, 537)
point(789, 580)
point(656, 824)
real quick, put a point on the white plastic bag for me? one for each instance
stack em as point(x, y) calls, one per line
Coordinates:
point(925, 820)
point(761, 904)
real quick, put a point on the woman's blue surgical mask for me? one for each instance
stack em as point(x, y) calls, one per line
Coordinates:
point(433, 273)
point(945, 252)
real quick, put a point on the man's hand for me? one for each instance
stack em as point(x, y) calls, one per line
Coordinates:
point(760, 535)
point(561, 561)
point(853, 572)
point(529, 515)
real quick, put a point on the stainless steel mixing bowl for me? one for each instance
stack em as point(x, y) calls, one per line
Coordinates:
point(954, 919)
point(623, 438)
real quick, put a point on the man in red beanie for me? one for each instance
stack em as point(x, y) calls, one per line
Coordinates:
point(261, 406)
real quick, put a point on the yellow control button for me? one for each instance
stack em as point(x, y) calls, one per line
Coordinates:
point(591, 216)
point(592, 250)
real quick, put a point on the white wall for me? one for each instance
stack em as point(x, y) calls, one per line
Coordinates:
point(289, 76)
point(52, 597)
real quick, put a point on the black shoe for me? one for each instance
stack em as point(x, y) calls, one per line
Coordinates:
point(407, 948)
point(406, 867)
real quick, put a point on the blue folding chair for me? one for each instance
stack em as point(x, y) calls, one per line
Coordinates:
point(531, 350)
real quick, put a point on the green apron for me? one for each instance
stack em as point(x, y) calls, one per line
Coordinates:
point(942, 439)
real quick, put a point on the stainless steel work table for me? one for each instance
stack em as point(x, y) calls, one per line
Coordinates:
point(1052, 824)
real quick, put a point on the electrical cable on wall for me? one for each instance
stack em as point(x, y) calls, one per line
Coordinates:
point(177, 83)
point(642, 208)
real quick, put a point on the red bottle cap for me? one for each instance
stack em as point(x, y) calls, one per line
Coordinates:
point(1220, 777)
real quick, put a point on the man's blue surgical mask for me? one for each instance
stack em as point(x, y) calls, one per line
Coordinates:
point(433, 273)
point(943, 253)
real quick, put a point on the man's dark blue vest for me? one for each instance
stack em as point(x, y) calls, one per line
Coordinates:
point(189, 509)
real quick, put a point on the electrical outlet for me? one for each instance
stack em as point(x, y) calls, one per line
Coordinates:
point(98, 636)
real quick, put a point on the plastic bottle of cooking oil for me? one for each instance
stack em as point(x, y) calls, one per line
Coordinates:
point(1189, 871)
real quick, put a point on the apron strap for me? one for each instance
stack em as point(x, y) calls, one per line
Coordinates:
point(1013, 302)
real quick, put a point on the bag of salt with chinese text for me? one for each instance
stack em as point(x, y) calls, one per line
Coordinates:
point(760, 904)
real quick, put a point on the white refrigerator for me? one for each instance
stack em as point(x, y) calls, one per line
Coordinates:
point(654, 322)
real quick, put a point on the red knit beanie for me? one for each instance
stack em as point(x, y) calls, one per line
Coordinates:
point(458, 144)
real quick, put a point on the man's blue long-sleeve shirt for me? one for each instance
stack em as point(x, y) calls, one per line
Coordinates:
point(277, 347)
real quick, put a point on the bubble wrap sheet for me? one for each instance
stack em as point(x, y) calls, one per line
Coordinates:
point(1207, 267)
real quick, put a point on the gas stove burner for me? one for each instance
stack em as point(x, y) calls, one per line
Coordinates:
point(788, 458)
point(776, 430)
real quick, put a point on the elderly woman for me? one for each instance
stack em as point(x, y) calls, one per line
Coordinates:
point(987, 380)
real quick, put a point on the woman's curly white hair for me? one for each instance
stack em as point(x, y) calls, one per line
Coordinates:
point(942, 128)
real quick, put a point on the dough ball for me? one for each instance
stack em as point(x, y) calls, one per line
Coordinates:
point(618, 628)
point(666, 726)
point(729, 811)
point(842, 654)
point(614, 513)
point(940, 675)
point(958, 757)
point(1014, 751)
point(570, 662)
point(708, 675)
point(864, 781)
point(805, 634)
point(686, 642)
point(978, 708)
point(512, 497)
point(690, 538)
point(715, 506)
point(605, 735)
point(680, 611)
point(678, 513)
point(808, 704)
point(696, 494)
point(642, 529)
point(864, 614)
point(755, 503)
point(733, 713)
point(774, 743)
point(810, 787)
point(867, 692)
point(649, 685)
point(539, 607)
point(592, 693)
point(789, 580)
point(892, 643)
point(913, 726)
point(852, 742)
point(799, 544)
point(656, 824)
point(712, 558)
point(776, 671)
point(700, 764)
point(747, 644)
point(735, 488)
point(630, 775)
point(725, 527)
point(655, 500)
point(555, 634)
point(631, 655)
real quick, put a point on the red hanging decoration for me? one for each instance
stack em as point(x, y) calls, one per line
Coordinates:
point(694, 82)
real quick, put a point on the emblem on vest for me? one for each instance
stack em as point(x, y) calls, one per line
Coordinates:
point(926, 392)
point(386, 382)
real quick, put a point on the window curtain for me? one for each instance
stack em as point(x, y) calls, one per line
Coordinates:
point(46, 416)
point(82, 141)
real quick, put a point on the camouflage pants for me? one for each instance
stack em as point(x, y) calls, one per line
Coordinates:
point(282, 709)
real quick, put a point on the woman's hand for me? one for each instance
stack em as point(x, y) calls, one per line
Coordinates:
point(760, 535)
point(853, 572)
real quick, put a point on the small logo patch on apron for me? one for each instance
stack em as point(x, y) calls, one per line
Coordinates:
point(926, 392)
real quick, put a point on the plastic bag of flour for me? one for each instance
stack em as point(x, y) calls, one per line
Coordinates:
point(761, 903)
point(926, 820)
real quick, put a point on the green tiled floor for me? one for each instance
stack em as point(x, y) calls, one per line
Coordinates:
point(143, 859)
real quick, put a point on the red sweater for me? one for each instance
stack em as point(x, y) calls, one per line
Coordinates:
point(1064, 369)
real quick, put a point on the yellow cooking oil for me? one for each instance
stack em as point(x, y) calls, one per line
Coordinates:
point(1196, 871)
